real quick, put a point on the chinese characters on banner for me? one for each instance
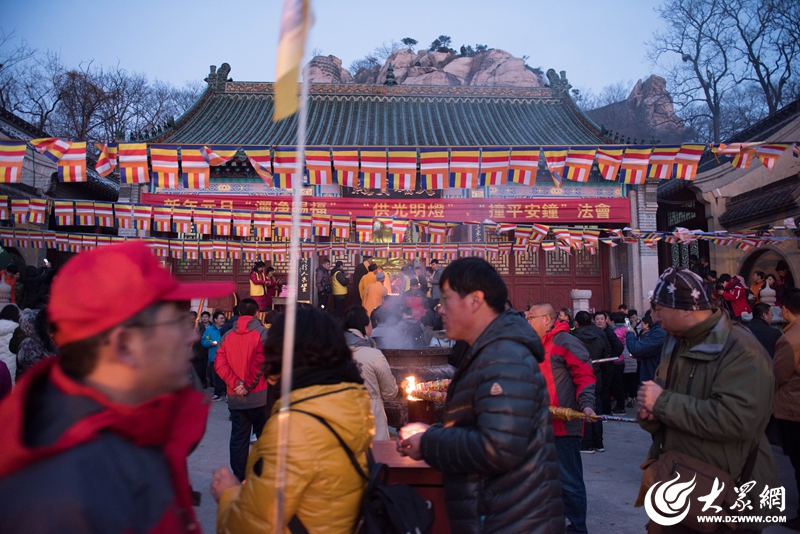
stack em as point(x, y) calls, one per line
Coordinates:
point(519, 210)
point(304, 280)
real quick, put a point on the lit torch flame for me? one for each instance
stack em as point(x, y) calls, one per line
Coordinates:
point(411, 386)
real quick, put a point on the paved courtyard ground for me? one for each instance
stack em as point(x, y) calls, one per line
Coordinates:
point(612, 477)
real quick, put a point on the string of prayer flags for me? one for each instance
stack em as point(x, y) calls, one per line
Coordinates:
point(769, 154)
point(321, 225)
point(12, 155)
point(634, 165)
point(217, 155)
point(579, 163)
point(19, 210)
point(72, 165)
point(182, 220)
point(202, 220)
point(103, 214)
point(84, 213)
point(494, 165)
point(107, 160)
point(464, 166)
point(373, 168)
point(661, 161)
point(241, 223)
point(37, 208)
point(345, 166)
point(162, 218)
point(284, 167)
point(261, 160)
point(194, 169)
point(402, 168)
point(340, 225)
point(52, 148)
point(609, 159)
point(524, 165)
point(686, 161)
point(222, 222)
point(133, 163)
point(262, 224)
point(283, 225)
point(433, 168)
point(142, 215)
point(164, 166)
point(744, 157)
point(123, 215)
point(318, 165)
point(555, 158)
point(304, 226)
point(364, 229)
point(64, 211)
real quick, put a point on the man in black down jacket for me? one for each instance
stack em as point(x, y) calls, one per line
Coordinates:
point(761, 328)
point(596, 342)
point(495, 448)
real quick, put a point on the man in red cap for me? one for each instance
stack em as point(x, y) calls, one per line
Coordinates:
point(96, 440)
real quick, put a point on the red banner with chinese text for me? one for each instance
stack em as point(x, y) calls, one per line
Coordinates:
point(563, 210)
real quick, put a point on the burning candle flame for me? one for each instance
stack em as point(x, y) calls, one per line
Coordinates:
point(411, 386)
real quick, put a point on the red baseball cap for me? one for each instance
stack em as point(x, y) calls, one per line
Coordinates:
point(100, 288)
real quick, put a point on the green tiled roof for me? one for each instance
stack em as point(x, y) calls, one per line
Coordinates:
point(378, 115)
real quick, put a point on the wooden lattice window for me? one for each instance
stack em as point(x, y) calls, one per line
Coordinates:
point(220, 266)
point(527, 263)
point(586, 263)
point(188, 266)
point(557, 263)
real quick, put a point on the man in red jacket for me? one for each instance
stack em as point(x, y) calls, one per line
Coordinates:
point(570, 382)
point(239, 363)
point(96, 440)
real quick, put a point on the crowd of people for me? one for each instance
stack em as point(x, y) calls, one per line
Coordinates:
point(96, 438)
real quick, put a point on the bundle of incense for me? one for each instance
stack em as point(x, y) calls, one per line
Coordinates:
point(568, 414)
point(433, 385)
point(435, 396)
point(603, 360)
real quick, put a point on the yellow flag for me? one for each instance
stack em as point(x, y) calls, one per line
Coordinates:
point(295, 23)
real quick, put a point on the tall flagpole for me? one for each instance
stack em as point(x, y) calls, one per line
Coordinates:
point(294, 260)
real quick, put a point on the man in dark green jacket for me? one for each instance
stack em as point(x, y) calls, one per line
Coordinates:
point(712, 393)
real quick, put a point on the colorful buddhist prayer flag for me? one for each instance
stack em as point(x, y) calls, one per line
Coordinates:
point(241, 223)
point(686, 161)
point(402, 168)
point(206, 248)
point(123, 215)
point(744, 157)
point(250, 250)
point(399, 229)
point(133, 163)
point(578, 164)
point(284, 165)
point(321, 225)
point(64, 211)
point(341, 226)
point(283, 225)
point(220, 249)
point(84, 213)
point(305, 226)
point(142, 216)
point(296, 20)
point(524, 165)
point(37, 240)
point(222, 222)
point(52, 148)
point(464, 168)
point(164, 166)
point(4, 208)
point(162, 218)
point(217, 155)
point(373, 168)
point(555, 158)
point(260, 158)
point(262, 224)
point(62, 241)
point(609, 158)
point(72, 165)
point(36, 210)
point(75, 242)
point(191, 250)
point(202, 220)
point(364, 229)
point(234, 250)
point(769, 154)
point(176, 248)
point(661, 161)
point(796, 150)
point(104, 214)
point(433, 168)
point(494, 165)
point(104, 167)
point(194, 169)
point(182, 220)
point(318, 165)
point(634, 165)
point(345, 166)
point(12, 155)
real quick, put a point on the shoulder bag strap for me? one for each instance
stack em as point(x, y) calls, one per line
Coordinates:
point(341, 441)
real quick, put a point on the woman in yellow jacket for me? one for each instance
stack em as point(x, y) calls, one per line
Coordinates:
point(323, 488)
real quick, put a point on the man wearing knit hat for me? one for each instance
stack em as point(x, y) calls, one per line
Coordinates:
point(96, 440)
point(712, 393)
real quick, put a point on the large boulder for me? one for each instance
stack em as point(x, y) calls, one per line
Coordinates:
point(499, 68)
point(327, 69)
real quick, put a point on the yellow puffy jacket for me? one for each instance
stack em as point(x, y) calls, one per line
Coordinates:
point(322, 486)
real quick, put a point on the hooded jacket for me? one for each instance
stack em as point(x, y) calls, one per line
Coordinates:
point(322, 487)
point(239, 359)
point(495, 447)
point(569, 375)
point(74, 461)
point(595, 341)
point(718, 400)
point(736, 294)
point(378, 378)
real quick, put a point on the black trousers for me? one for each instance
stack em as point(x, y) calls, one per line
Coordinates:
point(617, 386)
point(243, 423)
point(338, 305)
point(790, 431)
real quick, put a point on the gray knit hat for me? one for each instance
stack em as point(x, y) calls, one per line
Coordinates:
point(681, 289)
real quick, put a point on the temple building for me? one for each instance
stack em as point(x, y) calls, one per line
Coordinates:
point(239, 114)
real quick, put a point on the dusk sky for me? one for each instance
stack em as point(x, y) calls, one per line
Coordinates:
point(597, 42)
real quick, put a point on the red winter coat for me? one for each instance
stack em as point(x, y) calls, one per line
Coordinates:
point(241, 355)
point(736, 294)
point(75, 461)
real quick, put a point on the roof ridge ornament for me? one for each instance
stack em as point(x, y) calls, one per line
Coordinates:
point(390, 80)
point(559, 85)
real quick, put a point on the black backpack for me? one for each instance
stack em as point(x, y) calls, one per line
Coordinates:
point(385, 508)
